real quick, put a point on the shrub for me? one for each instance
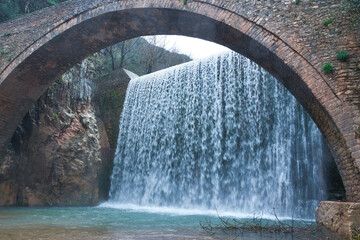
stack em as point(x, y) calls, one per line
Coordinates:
point(356, 235)
point(328, 68)
point(185, 2)
point(9, 58)
point(327, 21)
point(297, 2)
point(342, 56)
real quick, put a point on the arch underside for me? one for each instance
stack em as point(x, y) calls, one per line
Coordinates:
point(32, 76)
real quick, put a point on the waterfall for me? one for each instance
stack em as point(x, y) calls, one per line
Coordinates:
point(218, 133)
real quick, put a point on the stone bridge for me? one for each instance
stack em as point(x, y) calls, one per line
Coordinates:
point(287, 39)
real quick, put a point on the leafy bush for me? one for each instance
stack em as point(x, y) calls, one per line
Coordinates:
point(356, 235)
point(8, 9)
point(328, 68)
point(297, 2)
point(342, 56)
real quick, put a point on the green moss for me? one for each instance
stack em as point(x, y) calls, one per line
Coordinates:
point(9, 58)
point(185, 2)
point(297, 2)
point(6, 34)
point(328, 68)
point(2, 51)
point(342, 56)
point(327, 21)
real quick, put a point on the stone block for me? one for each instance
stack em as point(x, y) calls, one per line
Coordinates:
point(340, 218)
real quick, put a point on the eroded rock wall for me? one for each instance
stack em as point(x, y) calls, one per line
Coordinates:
point(56, 156)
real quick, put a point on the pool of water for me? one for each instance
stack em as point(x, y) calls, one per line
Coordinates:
point(120, 222)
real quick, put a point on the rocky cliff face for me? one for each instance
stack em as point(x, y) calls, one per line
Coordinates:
point(62, 152)
point(57, 156)
point(109, 99)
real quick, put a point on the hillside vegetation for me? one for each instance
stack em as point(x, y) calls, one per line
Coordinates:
point(14, 8)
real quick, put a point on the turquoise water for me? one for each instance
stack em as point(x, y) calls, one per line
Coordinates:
point(112, 223)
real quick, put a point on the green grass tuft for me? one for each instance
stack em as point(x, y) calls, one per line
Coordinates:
point(342, 56)
point(327, 21)
point(328, 68)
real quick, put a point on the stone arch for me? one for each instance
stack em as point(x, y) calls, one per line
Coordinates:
point(81, 27)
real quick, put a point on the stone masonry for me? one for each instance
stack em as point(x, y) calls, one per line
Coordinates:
point(289, 40)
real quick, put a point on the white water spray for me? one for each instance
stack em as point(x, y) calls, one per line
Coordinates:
point(219, 133)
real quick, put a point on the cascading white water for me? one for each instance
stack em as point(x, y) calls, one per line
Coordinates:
point(217, 133)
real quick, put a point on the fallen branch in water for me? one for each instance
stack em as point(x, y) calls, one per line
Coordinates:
point(290, 229)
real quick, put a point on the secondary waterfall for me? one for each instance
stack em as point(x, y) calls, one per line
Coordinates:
point(218, 133)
